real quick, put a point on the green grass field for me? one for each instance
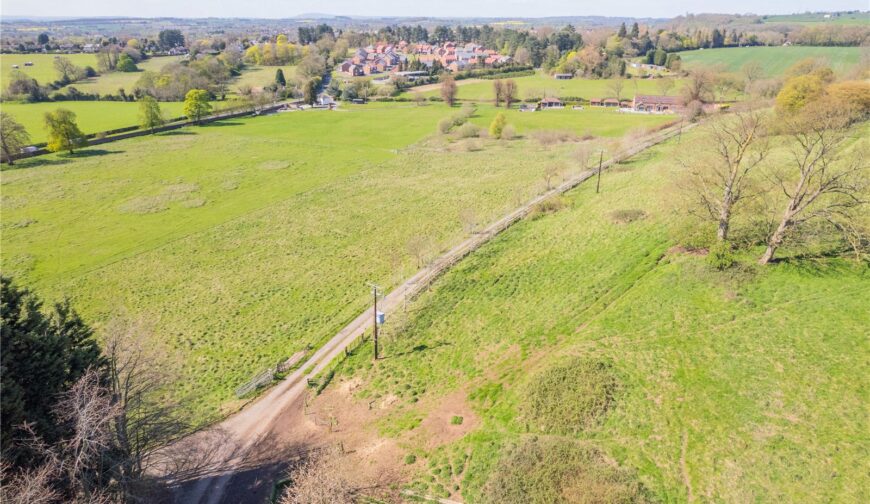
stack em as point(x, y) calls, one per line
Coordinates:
point(743, 386)
point(775, 60)
point(854, 18)
point(259, 76)
point(43, 65)
point(240, 242)
point(111, 82)
point(92, 116)
point(541, 85)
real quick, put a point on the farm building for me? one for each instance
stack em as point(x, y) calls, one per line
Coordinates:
point(563, 76)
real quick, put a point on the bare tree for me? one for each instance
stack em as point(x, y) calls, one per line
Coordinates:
point(320, 480)
point(665, 85)
point(498, 88)
point(510, 92)
point(615, 86)
point(699, 86)
point(823, 182)
point(752, 72)
point(65, 68)
point(419, 247)
point(550, 172)
point(32, 486)
point(448, 89)
point(737, 145)
point(469, 220)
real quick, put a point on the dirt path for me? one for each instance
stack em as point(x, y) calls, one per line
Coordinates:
point(239, 458)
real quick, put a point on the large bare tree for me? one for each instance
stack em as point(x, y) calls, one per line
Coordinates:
point(825, 180)
point(720, 174)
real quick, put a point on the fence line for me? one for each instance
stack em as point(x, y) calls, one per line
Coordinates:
point(267, 376)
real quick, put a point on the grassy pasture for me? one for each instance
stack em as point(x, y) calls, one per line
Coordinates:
point(242, 241)
point(92, 116)
point(111, 82)
point(540, 85)
point(43, 65)
point(775, 60)
point(259, 76)
point(853, 18)
point(744, 386)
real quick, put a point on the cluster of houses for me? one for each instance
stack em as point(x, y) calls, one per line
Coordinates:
point(381, 58)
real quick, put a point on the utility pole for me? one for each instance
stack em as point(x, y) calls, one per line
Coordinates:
point(375, 319)
point(598, 181)
point(680, 135)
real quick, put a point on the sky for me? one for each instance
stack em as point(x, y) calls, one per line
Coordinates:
point(437, 8)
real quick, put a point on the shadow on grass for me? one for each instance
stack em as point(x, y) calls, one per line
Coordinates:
point(220, 123)
point(60, 159)
point(176, 132)
point(418, 349)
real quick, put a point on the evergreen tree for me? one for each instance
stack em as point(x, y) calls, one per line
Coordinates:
point(279, 78)
point(43, 355)
point(635, 31)
point(622, 32)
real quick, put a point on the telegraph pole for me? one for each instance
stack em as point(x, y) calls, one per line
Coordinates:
point(375, 319)
point(598, 181)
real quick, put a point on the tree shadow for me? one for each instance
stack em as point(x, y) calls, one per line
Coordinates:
point(220, 123)
point(87, 153)
point(176, 132)
point(418, 349)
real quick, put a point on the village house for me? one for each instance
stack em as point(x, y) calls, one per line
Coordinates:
point(653, 103)
point(383, 57)
point(550, 103)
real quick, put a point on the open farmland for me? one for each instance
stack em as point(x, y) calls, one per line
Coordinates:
point(540, 85)
point(774, 60)
point(567, 330)
point(92, 116)
point(243, 241)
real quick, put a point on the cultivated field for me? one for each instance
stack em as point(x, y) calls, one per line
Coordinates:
point(92, 116)
point(542, 85)
point(238, 243)
point(567, 332)
point(774, 60)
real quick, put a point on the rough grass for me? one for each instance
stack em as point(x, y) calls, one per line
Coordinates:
point(569, 398)
point(554, 471)
point(774, 60)
point(744, 385)
point(111, 82)
point(237, 264)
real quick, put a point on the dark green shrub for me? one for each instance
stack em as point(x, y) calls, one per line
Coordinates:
point(720, 256)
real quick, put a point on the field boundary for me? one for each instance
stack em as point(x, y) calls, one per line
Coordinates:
point(103, 137)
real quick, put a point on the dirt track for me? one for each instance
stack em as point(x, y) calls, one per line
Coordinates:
point(238, 459)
